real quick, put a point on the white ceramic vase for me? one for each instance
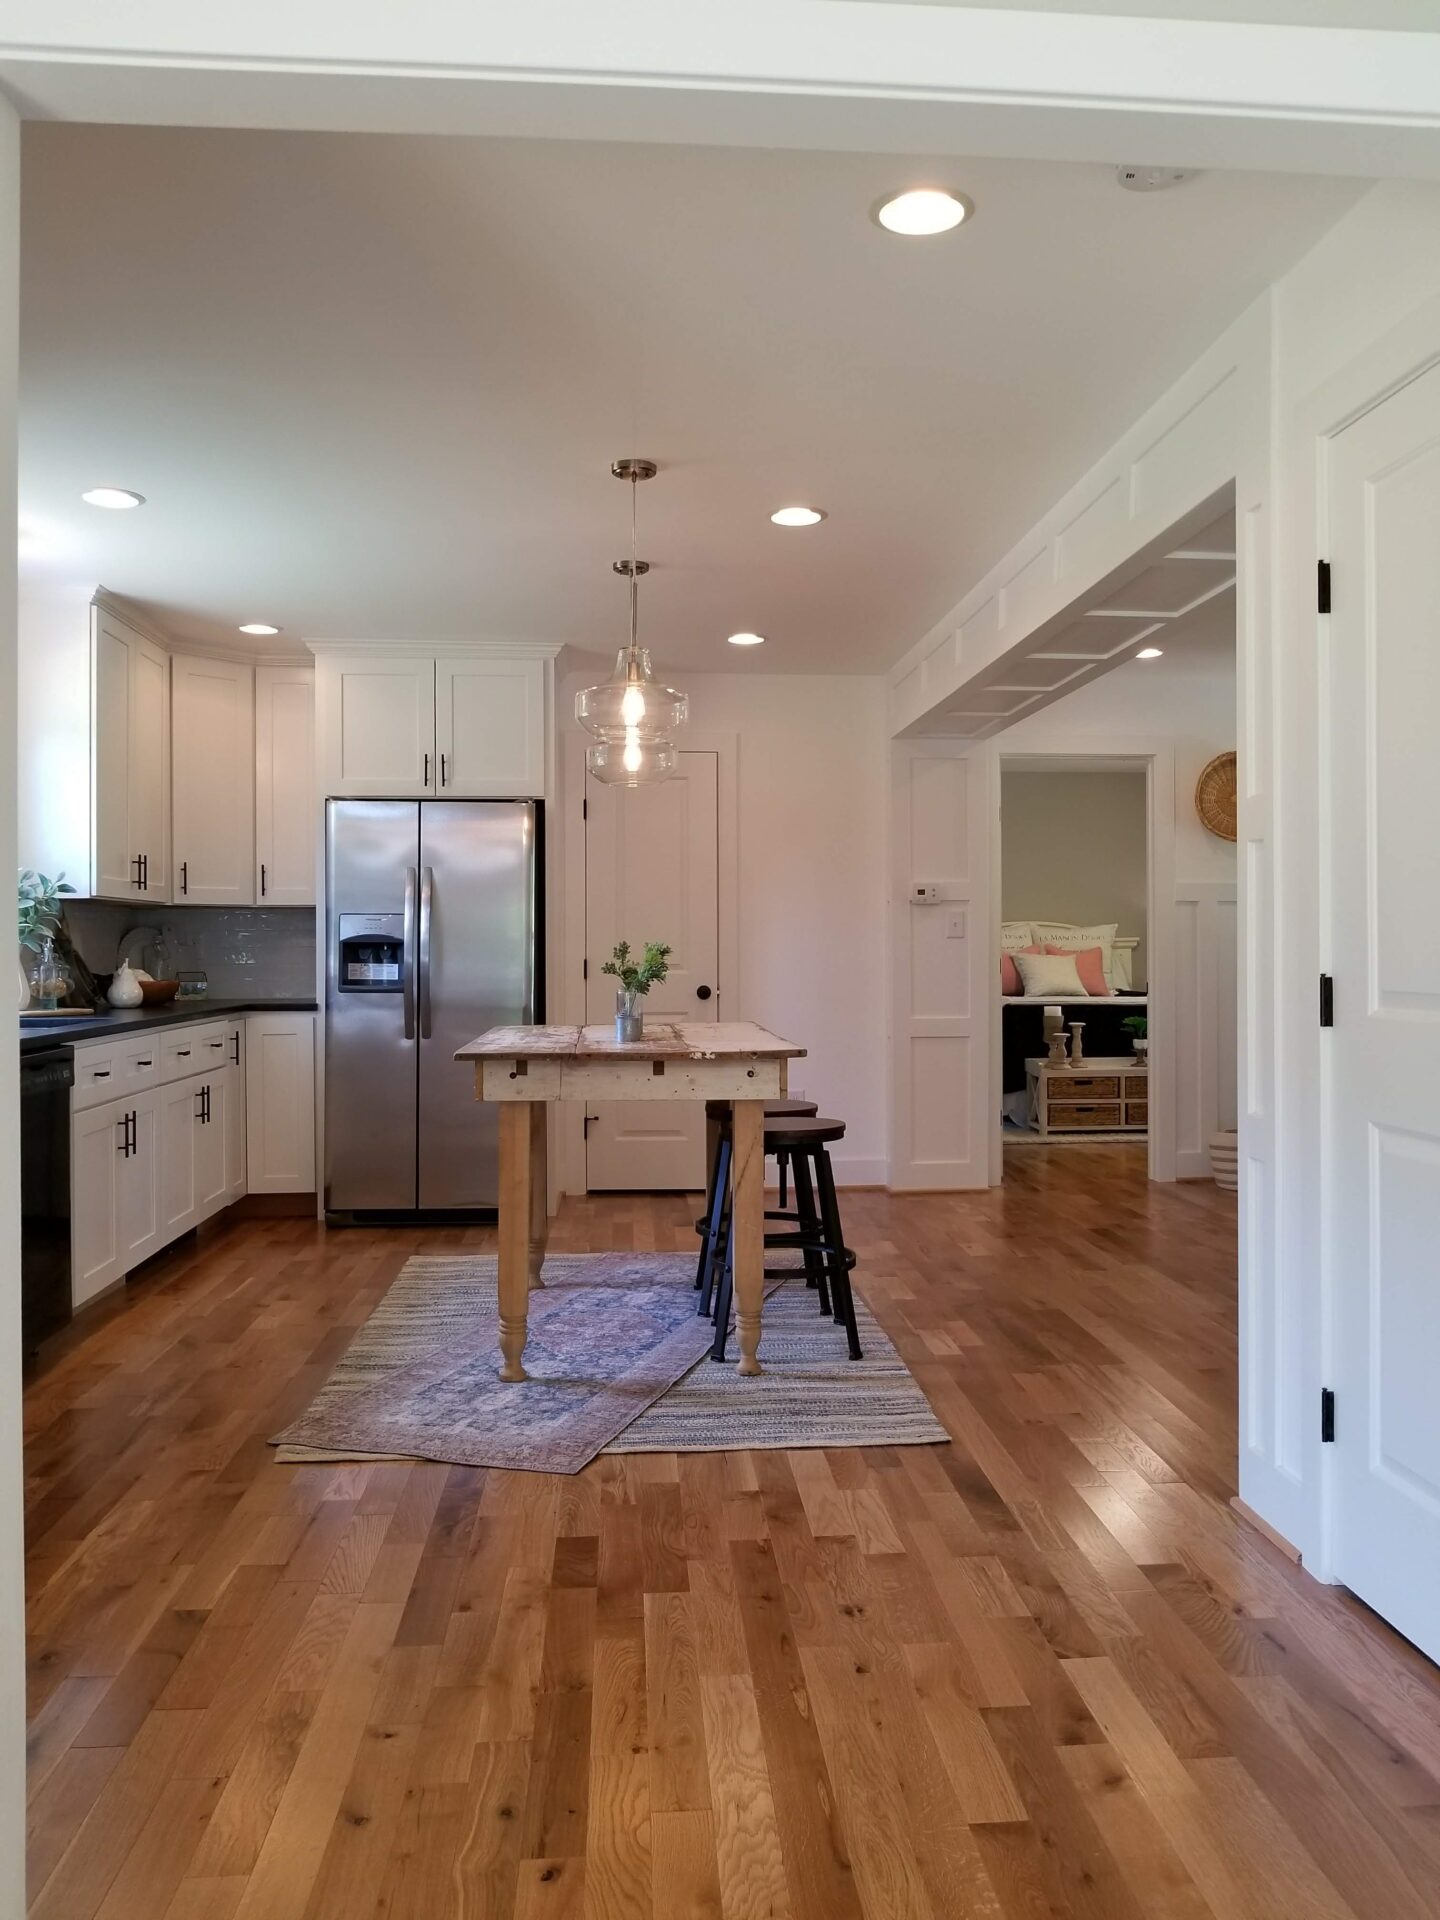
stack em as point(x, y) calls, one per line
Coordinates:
point(124, 990)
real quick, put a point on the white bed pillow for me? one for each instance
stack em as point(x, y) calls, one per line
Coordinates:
point(1070, 939)
point(1050, 976)
point(1015, 934)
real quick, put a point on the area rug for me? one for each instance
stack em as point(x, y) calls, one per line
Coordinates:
point(438, 1321)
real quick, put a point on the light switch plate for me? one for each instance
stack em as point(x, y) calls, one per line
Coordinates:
point(955, 927)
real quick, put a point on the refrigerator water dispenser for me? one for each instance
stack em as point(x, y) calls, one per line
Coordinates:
point(372, 952)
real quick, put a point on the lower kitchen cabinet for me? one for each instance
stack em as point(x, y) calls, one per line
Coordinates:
point(235, 1115)
point(280, 1102)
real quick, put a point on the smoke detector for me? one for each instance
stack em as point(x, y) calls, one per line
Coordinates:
point(1153, 179)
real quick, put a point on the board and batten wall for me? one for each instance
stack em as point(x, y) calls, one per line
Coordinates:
point(810, 755)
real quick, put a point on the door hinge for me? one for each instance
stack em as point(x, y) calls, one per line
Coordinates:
point(1327, 1001)
point(1322, 586)
point(1327, 1413)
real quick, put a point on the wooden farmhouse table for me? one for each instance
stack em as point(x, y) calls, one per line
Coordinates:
point(525, 1069)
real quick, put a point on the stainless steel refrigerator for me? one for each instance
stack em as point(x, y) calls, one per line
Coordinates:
point(432, 933)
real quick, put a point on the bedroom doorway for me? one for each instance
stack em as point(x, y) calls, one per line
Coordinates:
point(1076, 882)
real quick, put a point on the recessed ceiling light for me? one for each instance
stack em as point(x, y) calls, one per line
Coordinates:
point(258, 626)
point(1149, 653)
point(117, 498)
point(922, 210)
point(797, 517)
point(747, 639)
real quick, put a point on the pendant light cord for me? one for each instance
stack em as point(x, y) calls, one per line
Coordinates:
point(634, 573)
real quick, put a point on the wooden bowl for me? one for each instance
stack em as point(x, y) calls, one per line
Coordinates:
point(158, 993)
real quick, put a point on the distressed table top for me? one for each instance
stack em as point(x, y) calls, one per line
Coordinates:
point(664, 1040)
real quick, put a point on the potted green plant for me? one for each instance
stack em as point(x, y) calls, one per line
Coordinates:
point(1138, 1028)
point(41, 923)
point(636, 980)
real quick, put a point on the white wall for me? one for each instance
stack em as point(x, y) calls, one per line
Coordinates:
point(810, 881)
point(12, 1592)
point(1073, 847)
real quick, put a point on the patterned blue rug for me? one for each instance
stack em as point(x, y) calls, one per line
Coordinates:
point(618, 1359)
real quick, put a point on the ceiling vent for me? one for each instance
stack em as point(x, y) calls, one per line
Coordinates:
point(1153, 179)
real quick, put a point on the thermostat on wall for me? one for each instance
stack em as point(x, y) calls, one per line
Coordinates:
point(924, 890)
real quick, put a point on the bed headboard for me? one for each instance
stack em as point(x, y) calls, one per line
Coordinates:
point(1019, 933)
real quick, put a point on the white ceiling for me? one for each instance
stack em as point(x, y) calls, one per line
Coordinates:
point(371, 387)
point(1387, 15)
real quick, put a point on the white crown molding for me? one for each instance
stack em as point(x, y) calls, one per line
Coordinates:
point(491, 649)
point(127, 611)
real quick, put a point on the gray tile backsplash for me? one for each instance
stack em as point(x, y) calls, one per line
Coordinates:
point(244, 951)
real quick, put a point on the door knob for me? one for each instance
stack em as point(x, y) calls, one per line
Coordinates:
point(702, 993)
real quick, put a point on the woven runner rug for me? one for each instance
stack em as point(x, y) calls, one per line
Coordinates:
point(618, 1359)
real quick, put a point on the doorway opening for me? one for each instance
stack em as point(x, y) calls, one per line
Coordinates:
point(1074, 893)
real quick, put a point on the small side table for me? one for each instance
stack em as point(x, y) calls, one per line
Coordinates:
point(1098, 1096)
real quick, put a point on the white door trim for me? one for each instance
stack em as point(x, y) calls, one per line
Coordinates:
point(570, 1001)
point(1404, 353)
point(1157, 757)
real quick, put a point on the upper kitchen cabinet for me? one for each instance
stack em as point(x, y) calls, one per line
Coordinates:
point(214, 768)
point(129, 839)
point(471, 724)
point(285, 799)
point(376, 725)
point(490, 727)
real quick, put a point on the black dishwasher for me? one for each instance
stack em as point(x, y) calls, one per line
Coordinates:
point(46, 1077)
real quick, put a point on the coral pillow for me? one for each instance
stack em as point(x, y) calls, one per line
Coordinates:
point(1090, 965)
point(1010, 973)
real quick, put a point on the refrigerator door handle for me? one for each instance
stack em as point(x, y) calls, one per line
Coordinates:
point(407, 964)
point(427, 894)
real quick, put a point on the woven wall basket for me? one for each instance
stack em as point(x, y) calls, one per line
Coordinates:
point(1215, 796)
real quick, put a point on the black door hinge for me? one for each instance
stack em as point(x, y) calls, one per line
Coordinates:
point(1327, 1413)
point(1327, 1001)
point(1322, 586)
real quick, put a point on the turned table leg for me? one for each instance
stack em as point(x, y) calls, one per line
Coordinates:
point(747, 1225)
point(539, 1188)
point(516, 1226)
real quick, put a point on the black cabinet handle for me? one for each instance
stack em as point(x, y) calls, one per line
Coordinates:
point(184, 876)
point(262, 879)
point(144, 873)
point(138, 862)
point(100, 1073)
point(426, 781)
point(443, 775)
point(124, 1125)
point(235, 1043)
point(182, 1053)
point(702, 993)
point(144, 1063)
point(217, 1045)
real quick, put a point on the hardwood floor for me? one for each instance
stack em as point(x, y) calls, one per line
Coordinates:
point(1041, 1671)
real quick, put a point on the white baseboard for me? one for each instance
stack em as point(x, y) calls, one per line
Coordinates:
point(858, 1173)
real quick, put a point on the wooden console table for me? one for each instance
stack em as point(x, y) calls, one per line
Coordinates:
point(1102, 1095)
point(524, 1069)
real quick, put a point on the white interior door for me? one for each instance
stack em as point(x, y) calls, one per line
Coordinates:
point(651, 873)
point(1383, 1115)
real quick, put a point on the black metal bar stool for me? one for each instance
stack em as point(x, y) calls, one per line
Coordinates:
point(717, 1190)
point(816, 1231)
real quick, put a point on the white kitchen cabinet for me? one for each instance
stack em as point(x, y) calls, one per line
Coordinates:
point(233, 1122)
point(130, 762)
point(490, 727)
point(286, 812)
point(97, 1142)
point(179, 1112)
point(213, 1096)
point(376, 725)
point(138, 1197)
point(280, 1102)
point(213, 761)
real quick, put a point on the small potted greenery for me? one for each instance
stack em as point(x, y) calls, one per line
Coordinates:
point(1138, 1028)
point(41, 927)
point(635, 981)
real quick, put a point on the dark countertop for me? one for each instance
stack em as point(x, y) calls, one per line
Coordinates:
point(121, 1023)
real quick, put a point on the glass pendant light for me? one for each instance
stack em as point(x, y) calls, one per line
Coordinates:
point(632, 718)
